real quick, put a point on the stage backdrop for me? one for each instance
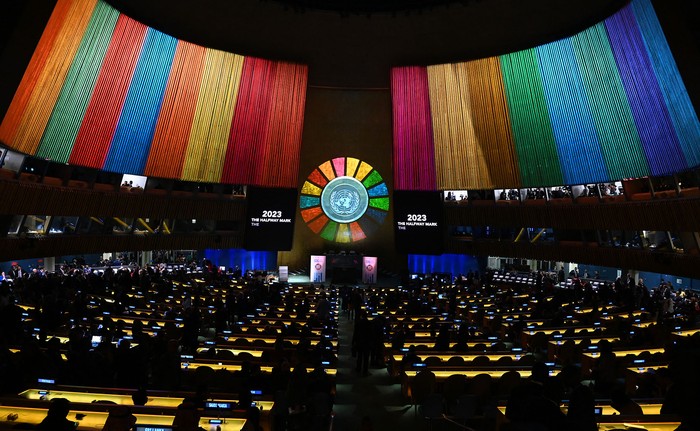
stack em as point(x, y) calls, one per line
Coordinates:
point(345, 130)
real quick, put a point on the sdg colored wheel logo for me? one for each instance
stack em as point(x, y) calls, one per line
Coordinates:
point(344, 200)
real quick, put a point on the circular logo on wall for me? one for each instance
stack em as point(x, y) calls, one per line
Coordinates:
point(344, 200)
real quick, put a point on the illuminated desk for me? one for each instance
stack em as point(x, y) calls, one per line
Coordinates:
point(647, 409)
point(192, 365)
point(95, 420)
point(578, 330)
point(118, 398)
point(89, 397)
point(561, 330)
point(254, 353)
point(642, 325)
point(633, 374)
point(495, 373)
point(579, 340)
point(470, 344)
point(611, 315)
point(272, 321)
point(468, 357)
point(553, 345)
point(254, 329)
point(642, 425)
point(607, 410)
point(623, 353)
point(270, 340)
point(687, 332)
point(647, 369)
point(588, 358)
point(145, 320)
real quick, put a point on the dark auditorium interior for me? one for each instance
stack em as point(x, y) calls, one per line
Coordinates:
point(350, 215)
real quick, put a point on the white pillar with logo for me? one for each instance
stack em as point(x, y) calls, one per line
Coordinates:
point(369, 269)
point(318, 269)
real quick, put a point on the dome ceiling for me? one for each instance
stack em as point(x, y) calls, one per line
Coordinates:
point(355, 47)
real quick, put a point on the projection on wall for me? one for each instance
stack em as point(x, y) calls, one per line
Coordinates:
point(602, 105)
point(344, 200)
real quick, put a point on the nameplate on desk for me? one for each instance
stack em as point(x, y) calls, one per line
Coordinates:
point(213, 405)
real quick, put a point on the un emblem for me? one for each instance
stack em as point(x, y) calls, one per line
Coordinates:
point(344, 199)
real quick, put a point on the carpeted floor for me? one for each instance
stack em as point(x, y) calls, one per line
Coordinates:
point(376, 396)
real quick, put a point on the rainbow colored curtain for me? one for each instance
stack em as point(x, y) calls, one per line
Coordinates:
point(108, 92)
point(605, 104)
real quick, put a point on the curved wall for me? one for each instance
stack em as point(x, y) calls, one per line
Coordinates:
point(605, 104)
point(105, 91)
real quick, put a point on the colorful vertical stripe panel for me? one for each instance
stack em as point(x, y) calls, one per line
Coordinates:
point(37, 65)
point(108, 92)
point(102, 115)
point(172, 134)
point(651, 117)
point(66, 118)
point(413, 132)
point(266, 131)
point(680, 108)
point(132, 140)
point(33, 102)
point(532, 130)
point(605, 104)
point(578, 149)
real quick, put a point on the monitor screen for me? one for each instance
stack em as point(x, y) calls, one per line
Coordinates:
point(418, 222)
point(270, 219)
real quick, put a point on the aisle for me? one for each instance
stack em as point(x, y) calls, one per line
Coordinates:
point(375, 396)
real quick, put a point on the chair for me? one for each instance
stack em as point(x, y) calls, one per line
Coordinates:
point(538, 342)
point(423, 384)
point(463, 408)
point(479, 347)
point(455, 361)
point(431, 408)
point(498, 347)
point(239, 342)
point(454, 386)
point(526, 360)
point(480, 387)
point(320, 410)
point(280, 411)
point(225, 355)
point(432, 361)
point(505, 361)
point(507, 382)
point(481, 360)
point(223, 380)
point(203, 375)
point(567, 354)
point(259, 343)
point(244, 356)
